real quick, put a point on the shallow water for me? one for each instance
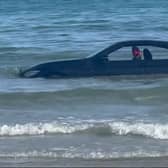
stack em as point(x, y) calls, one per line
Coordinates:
point(86, 118)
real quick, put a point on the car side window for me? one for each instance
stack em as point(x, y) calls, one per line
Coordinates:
point(156, 52)
point(124, 53)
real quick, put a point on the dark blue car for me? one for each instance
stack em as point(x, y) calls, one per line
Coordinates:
point(101, 63)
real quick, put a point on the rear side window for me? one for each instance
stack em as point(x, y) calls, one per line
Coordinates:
point(157, 53)
point(125, 53)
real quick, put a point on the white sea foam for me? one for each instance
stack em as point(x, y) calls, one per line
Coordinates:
point(82, 155)
point(41, 128)
point(157, 131)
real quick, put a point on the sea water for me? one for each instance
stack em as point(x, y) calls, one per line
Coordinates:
point(85, 118)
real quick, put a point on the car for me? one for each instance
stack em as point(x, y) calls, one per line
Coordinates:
point(101, 64)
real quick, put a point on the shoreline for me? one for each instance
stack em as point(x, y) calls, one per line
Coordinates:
point(51, 162)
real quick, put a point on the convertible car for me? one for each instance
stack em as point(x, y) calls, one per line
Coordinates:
point(103, 64)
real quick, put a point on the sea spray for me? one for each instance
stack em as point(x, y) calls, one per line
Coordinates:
point(157, 131)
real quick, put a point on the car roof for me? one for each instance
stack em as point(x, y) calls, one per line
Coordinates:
point(104, 53)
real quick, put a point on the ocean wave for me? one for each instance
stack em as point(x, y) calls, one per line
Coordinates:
point(74, 154)
point(99, 85)
point(156, 131)
point(8, 71)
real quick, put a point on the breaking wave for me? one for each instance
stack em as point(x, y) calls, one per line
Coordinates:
point(156, 131)
point(72, 154)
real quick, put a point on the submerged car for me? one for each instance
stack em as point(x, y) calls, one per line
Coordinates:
point(110, 61)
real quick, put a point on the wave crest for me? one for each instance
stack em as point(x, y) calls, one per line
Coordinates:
point(157, 131)
point(82, 155)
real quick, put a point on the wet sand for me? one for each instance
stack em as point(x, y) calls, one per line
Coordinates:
point(122, 162)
